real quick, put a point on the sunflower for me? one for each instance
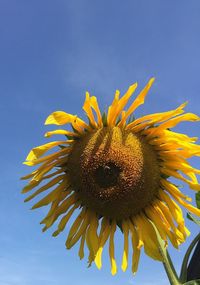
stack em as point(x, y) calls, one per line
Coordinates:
point(114, 173)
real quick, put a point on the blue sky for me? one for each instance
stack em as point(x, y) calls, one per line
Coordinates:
point(51, 52)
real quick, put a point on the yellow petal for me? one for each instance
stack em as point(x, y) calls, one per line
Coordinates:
point(81, 231)
point(182, 166)
point(179, 136)
point(30, 186)
point(38, 151)
point(154, 217)
point(64, 220)
point(137, 102)
point(172, 189)
point(164, 225)
point(59, 118)
point(102, 240)
point(87, 108)
point(139, 233)
point(61, 132)
point(184, 231)
point(91, 255)
point(51, 216)
point(51, 196)
point(74, 228)
point(53, 211)
point(176, 235)
point(136, 250)
point(171, 153)
point(81, 248)
point(92, 233)
point(159, 213)
point(29, 175)
point(193, 185)
point(151, 244)
point(174, 121)
point(167, 213)
point(46, 187)
point(192, 177)
point(54, 173)
point(125, 252)
point(95, 106)
point(112, 249)
point(63, 207)
point(92, 238)
point(122, 103)
point(42, 170)
point(189, 207)
point(148, 120)
point(112, 108)
point(34, 175)
point(80, 126)
point(173, 207)
point(50, 158)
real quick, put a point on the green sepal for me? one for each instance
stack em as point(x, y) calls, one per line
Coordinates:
point(131, 119)
point(71, 137)
point(62, 146)
point(104, 119)
point(74, 130)
point(118, 120)
point(197, 197)
point(164, 176)
point(90, 124)
point(119, 224)
point(193, 219)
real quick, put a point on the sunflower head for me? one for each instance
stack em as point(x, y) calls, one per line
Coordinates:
point(116, 171)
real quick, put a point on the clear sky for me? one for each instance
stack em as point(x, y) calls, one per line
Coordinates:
point(51, 52)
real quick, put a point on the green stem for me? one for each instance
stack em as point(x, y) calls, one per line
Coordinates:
point(171, 265)
point(169, 268)
point(167, 262)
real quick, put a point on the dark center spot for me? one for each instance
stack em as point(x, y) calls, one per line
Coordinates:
point(107, 175)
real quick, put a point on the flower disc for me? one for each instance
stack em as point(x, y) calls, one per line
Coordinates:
point(114, 169)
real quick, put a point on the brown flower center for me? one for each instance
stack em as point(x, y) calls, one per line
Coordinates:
point(107, 175)
point(114, 172)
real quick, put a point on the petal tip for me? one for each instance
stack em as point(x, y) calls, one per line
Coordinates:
point(114, 272)
point(47, 120)
point(151, 80)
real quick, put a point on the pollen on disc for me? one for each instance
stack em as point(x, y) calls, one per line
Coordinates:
point(114, 172)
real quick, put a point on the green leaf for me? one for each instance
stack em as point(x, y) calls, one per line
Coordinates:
point(183, 275)
point(192, 282)
point(197, 196)
point(192, 218)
